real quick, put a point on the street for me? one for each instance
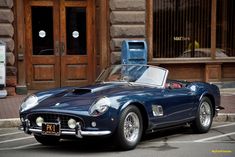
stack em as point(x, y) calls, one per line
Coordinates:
point(181, 142)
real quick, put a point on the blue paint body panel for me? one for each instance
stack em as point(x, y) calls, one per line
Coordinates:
point(179, 105)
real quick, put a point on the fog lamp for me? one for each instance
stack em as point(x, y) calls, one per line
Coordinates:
point(93, 124)
point(39, 121)
point(72, 123)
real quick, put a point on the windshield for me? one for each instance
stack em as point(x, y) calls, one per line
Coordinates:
point(135, 74)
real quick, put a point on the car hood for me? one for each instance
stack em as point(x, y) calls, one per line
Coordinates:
point(80, 99)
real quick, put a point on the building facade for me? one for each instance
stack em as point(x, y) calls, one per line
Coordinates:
point(54, 43)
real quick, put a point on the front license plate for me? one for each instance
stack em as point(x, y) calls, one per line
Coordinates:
point(51, 129)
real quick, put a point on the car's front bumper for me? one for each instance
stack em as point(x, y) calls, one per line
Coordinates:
point(78, 132)
point(103, 126)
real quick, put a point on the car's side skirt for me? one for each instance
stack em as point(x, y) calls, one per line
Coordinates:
point(157, 127)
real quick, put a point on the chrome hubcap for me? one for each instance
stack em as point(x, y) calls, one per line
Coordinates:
point(205, 114)
point(131, 127)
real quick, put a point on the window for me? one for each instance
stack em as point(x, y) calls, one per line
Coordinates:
point(225, 27)
point(42, 30)
point(76, 31)
point(182, 28)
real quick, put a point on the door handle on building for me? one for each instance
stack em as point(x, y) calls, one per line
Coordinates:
point(21, 54)
point(62, 48)
point(57, 48)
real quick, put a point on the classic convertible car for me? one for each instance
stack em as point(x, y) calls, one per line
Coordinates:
point(126, 102)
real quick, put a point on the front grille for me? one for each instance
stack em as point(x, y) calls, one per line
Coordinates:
point(53, 118)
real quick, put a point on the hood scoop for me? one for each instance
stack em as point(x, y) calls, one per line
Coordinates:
point(81, 91)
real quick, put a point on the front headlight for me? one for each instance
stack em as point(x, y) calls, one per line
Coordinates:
point(29, 103)
point(100, 106)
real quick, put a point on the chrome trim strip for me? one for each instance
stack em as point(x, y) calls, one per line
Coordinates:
point(35, 130)
point(68, 133)
point(95, 133)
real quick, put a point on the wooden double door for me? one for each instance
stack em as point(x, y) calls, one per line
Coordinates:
point(59, 43)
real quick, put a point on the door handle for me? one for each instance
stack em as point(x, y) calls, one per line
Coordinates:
point(62, 49)
point(57, 48)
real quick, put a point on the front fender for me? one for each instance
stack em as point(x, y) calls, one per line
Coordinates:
point(130, 102)
point(142, 108)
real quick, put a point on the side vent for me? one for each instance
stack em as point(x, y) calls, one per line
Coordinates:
point(157, 110)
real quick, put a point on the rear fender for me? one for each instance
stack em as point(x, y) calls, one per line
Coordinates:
point(212, 99)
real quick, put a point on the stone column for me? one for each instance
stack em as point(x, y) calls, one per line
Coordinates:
point(127, 21)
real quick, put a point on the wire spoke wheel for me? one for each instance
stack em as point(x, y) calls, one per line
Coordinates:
point(131, 127)
point(205, 114)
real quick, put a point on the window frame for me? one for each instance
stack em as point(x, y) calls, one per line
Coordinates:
point(149, 39)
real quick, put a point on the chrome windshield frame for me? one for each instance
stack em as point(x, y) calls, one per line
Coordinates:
point(149, 76)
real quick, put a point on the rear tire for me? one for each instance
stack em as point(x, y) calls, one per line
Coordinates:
point(47, 140)
point(204, 116)
point(130, 128)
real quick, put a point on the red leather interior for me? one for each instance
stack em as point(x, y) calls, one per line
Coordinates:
point(176, 85)
point(173, 85)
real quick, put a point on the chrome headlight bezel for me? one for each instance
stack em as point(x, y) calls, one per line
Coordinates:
point(100, 106)
point(30, 102)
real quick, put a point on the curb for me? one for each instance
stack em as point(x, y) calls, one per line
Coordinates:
point(15, 122)
point(9, 123)
point(225, 117)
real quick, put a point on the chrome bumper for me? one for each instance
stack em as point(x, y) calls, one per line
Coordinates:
point(77, 132)
point(217, 109)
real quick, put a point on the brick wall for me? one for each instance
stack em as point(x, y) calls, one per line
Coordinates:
point(127, 21)
point(6, 35)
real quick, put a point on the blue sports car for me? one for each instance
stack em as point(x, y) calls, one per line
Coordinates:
point(126, 102)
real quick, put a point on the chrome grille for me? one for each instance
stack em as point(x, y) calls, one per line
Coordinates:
point(54, 118)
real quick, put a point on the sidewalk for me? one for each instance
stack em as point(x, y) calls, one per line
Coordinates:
point(9, 108)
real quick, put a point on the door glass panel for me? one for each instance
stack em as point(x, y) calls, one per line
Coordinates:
point(76, 30)
point(42, 30)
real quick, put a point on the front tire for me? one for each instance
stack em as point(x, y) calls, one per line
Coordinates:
point(130, 128)
point(47, 140)
point(204, 117)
